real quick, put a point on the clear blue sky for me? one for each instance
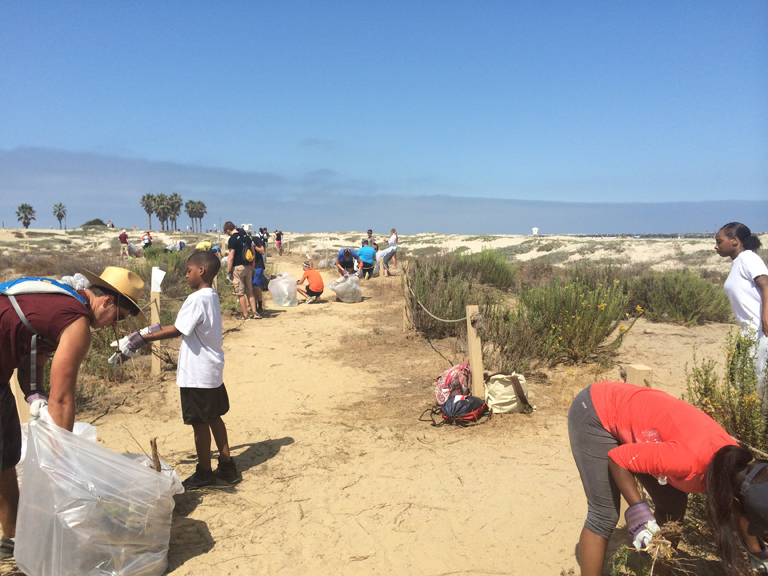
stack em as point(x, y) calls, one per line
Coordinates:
point(556, 101)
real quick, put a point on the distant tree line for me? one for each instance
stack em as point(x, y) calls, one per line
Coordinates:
point(168, 208)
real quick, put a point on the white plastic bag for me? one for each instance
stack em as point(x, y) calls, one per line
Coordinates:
point(85, 510)
point(347, 289)
point(283, 290)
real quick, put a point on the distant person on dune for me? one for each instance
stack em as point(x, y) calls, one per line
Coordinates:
point(747, 290)
point(393, 245)
point(279, 242)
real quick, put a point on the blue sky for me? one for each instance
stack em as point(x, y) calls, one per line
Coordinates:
point(242, 104)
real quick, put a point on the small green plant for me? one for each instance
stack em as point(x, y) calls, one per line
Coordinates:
point(731, 399)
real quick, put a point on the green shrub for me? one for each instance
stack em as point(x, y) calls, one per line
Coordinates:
point(437, 285)
point(94, 222)
point(510, 341)
point(731, 399)
point(681, 297)
point(573, 322)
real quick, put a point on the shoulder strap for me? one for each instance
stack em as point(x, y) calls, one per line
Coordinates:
point(35, 285)
point(521, 395)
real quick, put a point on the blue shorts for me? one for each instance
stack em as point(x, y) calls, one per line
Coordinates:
point(258, 277)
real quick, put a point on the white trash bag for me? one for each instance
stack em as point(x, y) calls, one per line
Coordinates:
point(85, 510)
point(283, 290)
point(347, 289)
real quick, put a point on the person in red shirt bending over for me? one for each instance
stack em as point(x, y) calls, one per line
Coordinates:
point(315, 284)
point(622, 432)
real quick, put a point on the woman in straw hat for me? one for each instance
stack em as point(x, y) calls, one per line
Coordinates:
point(64, 325)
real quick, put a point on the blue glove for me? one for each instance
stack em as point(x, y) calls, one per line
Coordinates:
point(641, 524)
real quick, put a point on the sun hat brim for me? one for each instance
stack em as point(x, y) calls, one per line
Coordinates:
point(126, 283)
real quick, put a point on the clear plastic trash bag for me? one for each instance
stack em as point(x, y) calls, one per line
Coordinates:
point(85, 510)
point(347, 289)
point(283, 290)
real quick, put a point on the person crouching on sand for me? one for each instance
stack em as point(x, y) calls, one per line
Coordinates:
point(315, 284)
point(621, 432)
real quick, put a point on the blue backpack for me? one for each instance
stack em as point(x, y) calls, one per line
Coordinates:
point(35, 285)
point(462, 410)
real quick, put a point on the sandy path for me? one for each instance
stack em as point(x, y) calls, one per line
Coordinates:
point(341, 478)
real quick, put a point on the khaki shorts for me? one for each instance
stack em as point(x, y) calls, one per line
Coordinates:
point(242, 279)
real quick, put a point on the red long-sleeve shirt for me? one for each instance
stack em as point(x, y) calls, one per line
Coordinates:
point(688, 437)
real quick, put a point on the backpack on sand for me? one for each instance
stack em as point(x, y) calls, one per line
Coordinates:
point(35, 285)
point(455, 380)
point(459, 409)
point(507, 392)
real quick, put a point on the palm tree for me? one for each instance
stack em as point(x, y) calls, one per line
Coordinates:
point(59, 210)
point(174, 203)
point(190, 208)
point(202, 210)
point(162, 209)
point(148, 203)
point(25, 213)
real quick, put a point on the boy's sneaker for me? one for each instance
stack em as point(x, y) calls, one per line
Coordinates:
point(6, 548)
point(228, 472)
point(199, 479)
point(309, 300)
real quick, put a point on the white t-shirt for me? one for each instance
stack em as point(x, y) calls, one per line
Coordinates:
point(393, 241)
point(201, 356)
point(742, 291)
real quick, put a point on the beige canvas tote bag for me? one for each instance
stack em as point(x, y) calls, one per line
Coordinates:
point(507, 393)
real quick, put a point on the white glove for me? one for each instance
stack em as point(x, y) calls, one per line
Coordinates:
point(129, 345)
point(38, 409)
point(229, 276)
point(643, 538)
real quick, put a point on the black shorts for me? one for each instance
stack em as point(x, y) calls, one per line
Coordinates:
point(347, 264)
point(10, 429)
point(311, 292)
point(203, 405)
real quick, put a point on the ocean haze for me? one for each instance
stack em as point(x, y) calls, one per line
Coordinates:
point(110, 187)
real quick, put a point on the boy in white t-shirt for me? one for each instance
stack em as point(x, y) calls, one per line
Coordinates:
point(200, 370)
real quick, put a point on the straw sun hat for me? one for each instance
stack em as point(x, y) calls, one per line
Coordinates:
point(126, 283)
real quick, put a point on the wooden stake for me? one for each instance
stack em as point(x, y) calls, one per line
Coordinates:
point(155, 457)
point(154, 318)
point(407, 324)
point(475, 348)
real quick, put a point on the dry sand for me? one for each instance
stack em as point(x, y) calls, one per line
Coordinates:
point(339, 474)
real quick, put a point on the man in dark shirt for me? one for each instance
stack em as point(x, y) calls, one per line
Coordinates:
point(240, 271)
point(66, 322)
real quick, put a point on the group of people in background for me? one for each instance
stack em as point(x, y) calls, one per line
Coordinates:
point(367, 256)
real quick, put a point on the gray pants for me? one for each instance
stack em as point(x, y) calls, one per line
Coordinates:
point(590, 444)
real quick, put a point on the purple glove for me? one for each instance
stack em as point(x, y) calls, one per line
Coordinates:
point(641, 524)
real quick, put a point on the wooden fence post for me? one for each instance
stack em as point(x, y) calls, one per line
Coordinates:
point(475, 349)
point(407, 324)
point(154, 318)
